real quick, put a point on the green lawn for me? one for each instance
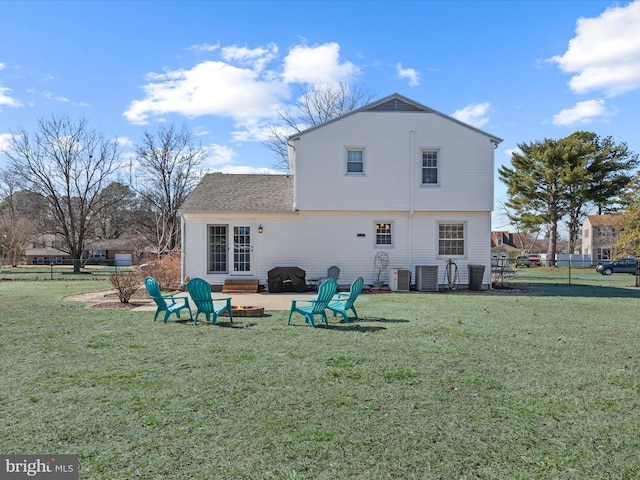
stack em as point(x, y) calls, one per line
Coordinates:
point(543, 383)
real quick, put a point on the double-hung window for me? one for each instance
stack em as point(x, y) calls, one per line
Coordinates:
point(355, 161)
point(383, 234)
point(451, 239)
point(430, 167)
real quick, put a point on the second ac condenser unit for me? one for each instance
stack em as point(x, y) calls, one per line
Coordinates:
point(400, 280)
point(427, 278)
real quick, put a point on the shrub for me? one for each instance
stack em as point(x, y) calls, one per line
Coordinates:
point(165, 271)
point(126, 284)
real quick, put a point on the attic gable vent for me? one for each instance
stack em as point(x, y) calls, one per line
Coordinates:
point(395, 105)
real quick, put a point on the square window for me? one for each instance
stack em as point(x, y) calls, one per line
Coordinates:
point(451, 239)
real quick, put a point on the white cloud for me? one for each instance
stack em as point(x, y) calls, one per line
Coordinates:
point(316, 65)
point(239, 85)
point(5, 98)
point(3, 66)
point(511, 151)
point(209, 88)
point(257, 58)
point(4, 141)
point(218, 155)
point(204, 47)
point(124, 142)
point(474, 114)
point(50, 96)
point(583, 113)
point(409, 74)
point(245, 169)
point(605, 53)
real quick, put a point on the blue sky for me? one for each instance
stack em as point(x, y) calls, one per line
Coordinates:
point(520, 70)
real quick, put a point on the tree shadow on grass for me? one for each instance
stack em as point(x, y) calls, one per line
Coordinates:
point(379, 320)
point(573, 290)
point(350, 327)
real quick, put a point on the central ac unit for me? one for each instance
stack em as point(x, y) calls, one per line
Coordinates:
point(427, 278)
point(400, 280)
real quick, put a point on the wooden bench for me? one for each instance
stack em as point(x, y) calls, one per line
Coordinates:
point(240, 286)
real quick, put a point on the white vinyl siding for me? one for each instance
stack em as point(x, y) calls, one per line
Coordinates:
point(346, 238)
point(392, 179)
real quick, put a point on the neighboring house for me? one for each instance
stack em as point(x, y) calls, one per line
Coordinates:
point(392, 176)
point(47, 250)
point(523, 242)
point(600, 233)
point(117, 251)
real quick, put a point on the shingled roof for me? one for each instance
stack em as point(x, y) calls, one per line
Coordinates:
point(604, 220)
point(241, 193)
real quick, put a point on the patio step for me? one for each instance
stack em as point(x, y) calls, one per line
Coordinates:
point(240, 286)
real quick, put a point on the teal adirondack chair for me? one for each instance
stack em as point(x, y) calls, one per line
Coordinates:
point(343, 302)
point(326, 291)
point(166, 303)
point(333, 272)
point(200, 292)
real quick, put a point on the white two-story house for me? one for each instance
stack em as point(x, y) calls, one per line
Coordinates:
point(393, 176)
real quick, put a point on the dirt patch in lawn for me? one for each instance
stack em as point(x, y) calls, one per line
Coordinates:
point(108, 300)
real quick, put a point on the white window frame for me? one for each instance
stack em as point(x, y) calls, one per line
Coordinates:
point(451, 250)
point(423, 167)
point(347, 162)
point(385, 235)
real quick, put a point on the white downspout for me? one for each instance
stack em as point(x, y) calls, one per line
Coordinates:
point(182, 249)
point(411, 188)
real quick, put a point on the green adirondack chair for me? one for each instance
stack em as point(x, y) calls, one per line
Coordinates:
point(317, 306)
point(200, 292)
point(343, 302)
point(166, 302)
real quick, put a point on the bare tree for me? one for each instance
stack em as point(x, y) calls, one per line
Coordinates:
point(69, 165)
point(168, 170)
point(315, 105)
point(17, 228)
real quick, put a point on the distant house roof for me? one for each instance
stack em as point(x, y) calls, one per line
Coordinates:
point(398, 103)
point(241, 193)
point(603, 220)
point(110, 244)
point(44, 252)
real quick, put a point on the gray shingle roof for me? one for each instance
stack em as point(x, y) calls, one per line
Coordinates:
point(241, 193)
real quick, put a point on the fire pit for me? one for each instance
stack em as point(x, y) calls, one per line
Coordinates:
point(245, 311)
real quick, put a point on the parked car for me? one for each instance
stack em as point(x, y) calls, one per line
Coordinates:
point(621, 265)
point(528, 260)
point(534, 259)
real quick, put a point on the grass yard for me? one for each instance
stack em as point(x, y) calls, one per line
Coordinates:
point(540, 384)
